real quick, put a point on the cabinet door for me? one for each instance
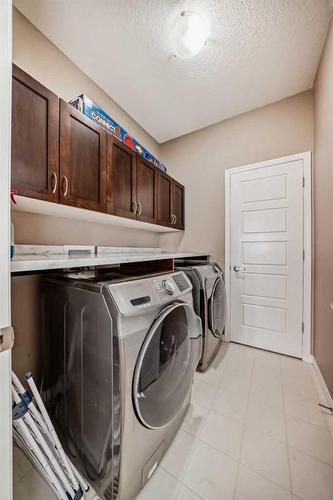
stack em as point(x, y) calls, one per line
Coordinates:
point(35, 126)
point(164, 199)
point(146, 190)
point(121, 181)
point(178, 205)
point(82, 160)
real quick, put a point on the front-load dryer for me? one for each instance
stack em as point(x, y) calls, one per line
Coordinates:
point(209, 298)
point(119, 365)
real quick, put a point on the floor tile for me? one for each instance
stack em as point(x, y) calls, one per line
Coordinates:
point(305, 410)
point(32, 487)
point(265, 419)
point(161, 485)
point(230, 405)
point(311, 479)
point(268, 361)
point(203, 394)
point(236, 380)
point(251, 486)
point(246, 350)
point(211, 474)
point(267, 389)
point(266, 456)
point(329, 421)
point(222, 433)
point(21, 464)
point(292, 367)
point(179, 453)
point(194, 419)
point(312, 439)
point(241, 360)
point(299, 387)
point(186, 494)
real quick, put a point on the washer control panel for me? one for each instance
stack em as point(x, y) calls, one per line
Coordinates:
point(147, 292)
point(171, 285)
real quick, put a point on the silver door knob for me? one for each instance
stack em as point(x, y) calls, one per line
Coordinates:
point(239, 269)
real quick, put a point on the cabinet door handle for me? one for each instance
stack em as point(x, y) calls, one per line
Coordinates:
point(175, 216)
point(172, 219)
point(65, 180)
point(134, 207)
point(54, 178)
point(139, 212)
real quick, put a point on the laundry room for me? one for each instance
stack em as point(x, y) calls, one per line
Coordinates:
point(166, 310)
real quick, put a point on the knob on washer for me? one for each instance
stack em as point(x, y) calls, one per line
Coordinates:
point(168, 287)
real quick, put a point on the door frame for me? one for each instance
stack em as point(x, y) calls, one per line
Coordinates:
point(307, 242)
point(5, 316)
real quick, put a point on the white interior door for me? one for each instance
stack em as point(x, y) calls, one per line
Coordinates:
point(5, 355)
point(266, 257)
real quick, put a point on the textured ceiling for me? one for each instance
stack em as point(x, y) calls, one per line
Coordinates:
point(259, 51)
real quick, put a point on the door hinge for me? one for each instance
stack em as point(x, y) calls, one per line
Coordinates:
point(303, 254)
point(302, 326)
point(6, 338)
point(303, 181)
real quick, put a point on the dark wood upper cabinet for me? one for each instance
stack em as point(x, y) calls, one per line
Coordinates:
point(164, 210)
point(178, 205)
point(171, 202)
point(121, 179)
point(146, 190)
point(35, 127)
point(82, 160)
point(60, 155)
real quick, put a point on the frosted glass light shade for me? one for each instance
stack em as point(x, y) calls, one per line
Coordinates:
point(189, 35)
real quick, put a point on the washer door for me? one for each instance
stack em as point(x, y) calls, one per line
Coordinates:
point(217, 308)
point(166, 365)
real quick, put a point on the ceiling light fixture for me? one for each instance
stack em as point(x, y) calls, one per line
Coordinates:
point(188, 35)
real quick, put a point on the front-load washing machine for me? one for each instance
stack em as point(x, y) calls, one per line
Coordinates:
point(209, 298)
point(119, 361)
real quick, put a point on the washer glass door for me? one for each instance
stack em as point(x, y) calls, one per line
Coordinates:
point(166, 365)
point(217, 308)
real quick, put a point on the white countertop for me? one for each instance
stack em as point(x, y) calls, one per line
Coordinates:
point(24, 262)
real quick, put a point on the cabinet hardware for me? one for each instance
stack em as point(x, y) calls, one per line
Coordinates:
point(54, 178)
point(134, 207)
point(139, 212)
point(172, 219)
point(65, 180)
point(175, 216)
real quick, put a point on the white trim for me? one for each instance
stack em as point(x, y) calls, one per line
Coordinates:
point(322, 388)
point(307, 267)
point(307, 264)
point(6, 481)
point(41, 207)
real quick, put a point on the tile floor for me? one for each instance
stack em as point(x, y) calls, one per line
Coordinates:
point(254, 431)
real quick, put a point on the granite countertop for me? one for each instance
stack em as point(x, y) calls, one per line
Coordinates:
point(38, 258)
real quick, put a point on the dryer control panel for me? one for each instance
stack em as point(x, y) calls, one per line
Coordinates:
point(148, 292)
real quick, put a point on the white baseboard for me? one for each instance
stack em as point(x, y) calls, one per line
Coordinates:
point(308, 359)
point(326, 395)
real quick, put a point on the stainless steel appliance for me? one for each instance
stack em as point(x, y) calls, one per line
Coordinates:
point(209, 299)
point(119, 364)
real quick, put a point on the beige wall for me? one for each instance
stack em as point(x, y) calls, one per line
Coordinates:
point(323, 291)
point(34, 53)
point(199, 160)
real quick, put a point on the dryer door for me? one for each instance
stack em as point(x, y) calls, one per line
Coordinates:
point(217, 308)
point(166, 365)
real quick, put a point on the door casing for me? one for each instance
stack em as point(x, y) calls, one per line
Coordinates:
point(6, 482)
point(307, 242)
